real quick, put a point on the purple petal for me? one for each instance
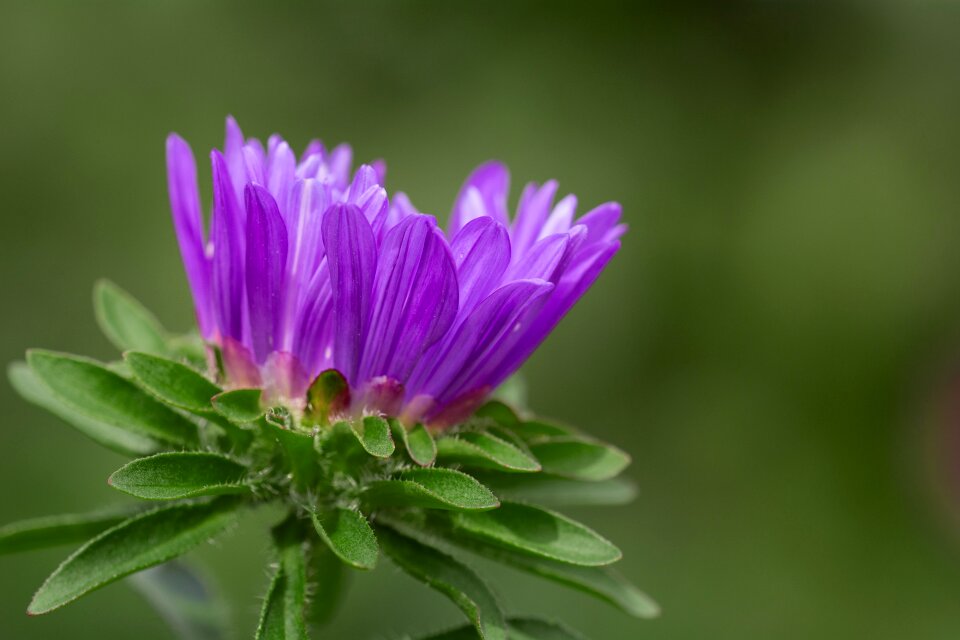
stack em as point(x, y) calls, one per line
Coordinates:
point(284, 380)
point(374, 205)
point(339, 163)
point(188, 224)
point(540, 261)
point(532, 212)
point(415, 298)
point(313, 342)
point(227, 238)
point(481, 251)
point(400, 208)
point(601, 223)
point(561, 218)
point(233, 152)
point(490, 335)
point(266, 270)
point(365, 178)
point(314, 147)
point(380, 167)
point(305, 250)
point(483, 194)
point(352, 255)
point(281, 170)
point(253, 165)
point(241, 370)
point(446, 373)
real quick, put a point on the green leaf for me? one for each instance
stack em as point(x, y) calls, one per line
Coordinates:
point(532, 430)
point(373, 434)
point(126, 322)
point(520, 629)
point(579, 458)
point(604, 583)
point(172, 476)
point(240, 405)
point(484, 450)
point(451, 578)
point(118, 439)
point(89, 388)
point(184, 600)
point(538, 532)
point(143, 541)
point(417, 442)
point(551, 491)
point(432, 489)
point(282, 617)
point(329, 394)
point(348, 534)
point(330, 580)
point(52, 531)
point(173, 382)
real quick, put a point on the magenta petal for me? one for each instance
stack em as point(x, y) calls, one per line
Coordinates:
point(483, 194)
point(415, 298)
point(227, 239)
point(188, 224)
point(481, 251)
point(266, 270)
point(285, 380)
point(352, 255)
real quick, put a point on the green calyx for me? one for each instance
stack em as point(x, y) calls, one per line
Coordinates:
point(352, 487)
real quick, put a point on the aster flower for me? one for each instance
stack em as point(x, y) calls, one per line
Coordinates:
point(307, 269)
point(349, 344)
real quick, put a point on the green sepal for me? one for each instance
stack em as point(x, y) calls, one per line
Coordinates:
point(533, 430)
point(241, 406)
point(538, 532)
point(417, 442)
point(125, 321)
point(435, 488)
point(348, 535)
point(328, 395)
point(297, 447)
point(499, 412)
point(185, 601)
point(579, 458)
point(116, 438)
point(143, 541)
point(282, 616)
point(53, 531)
point(486, 451)
point(177, 475)
point(173, 382)
point(373, 434)
point(89, 388)
point(450, 577)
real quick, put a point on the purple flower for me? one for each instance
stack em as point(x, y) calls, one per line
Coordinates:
point(307, 268)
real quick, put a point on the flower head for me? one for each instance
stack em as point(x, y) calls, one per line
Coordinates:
point(306, 268)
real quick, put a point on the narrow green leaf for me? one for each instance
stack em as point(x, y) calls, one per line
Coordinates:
point(451, 578)
point(603, 583)
point(551, 491)
point(520, 629)
point(579, 458)
point(373, 434)
point(53, 531)
point(240, 405)
point(417, 442)
point(172, 476)
point(126, 322)
point(435, 488)
point(118, 439)
point(484, 450)
point(532, 430)
point(538, 532)
point(133, 545)
point(282, 617)
point(348, 534)
point(173, 382)
point(191, 609)
point(89, 388)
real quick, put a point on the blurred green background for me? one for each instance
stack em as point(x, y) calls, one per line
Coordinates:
point(775, 344)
